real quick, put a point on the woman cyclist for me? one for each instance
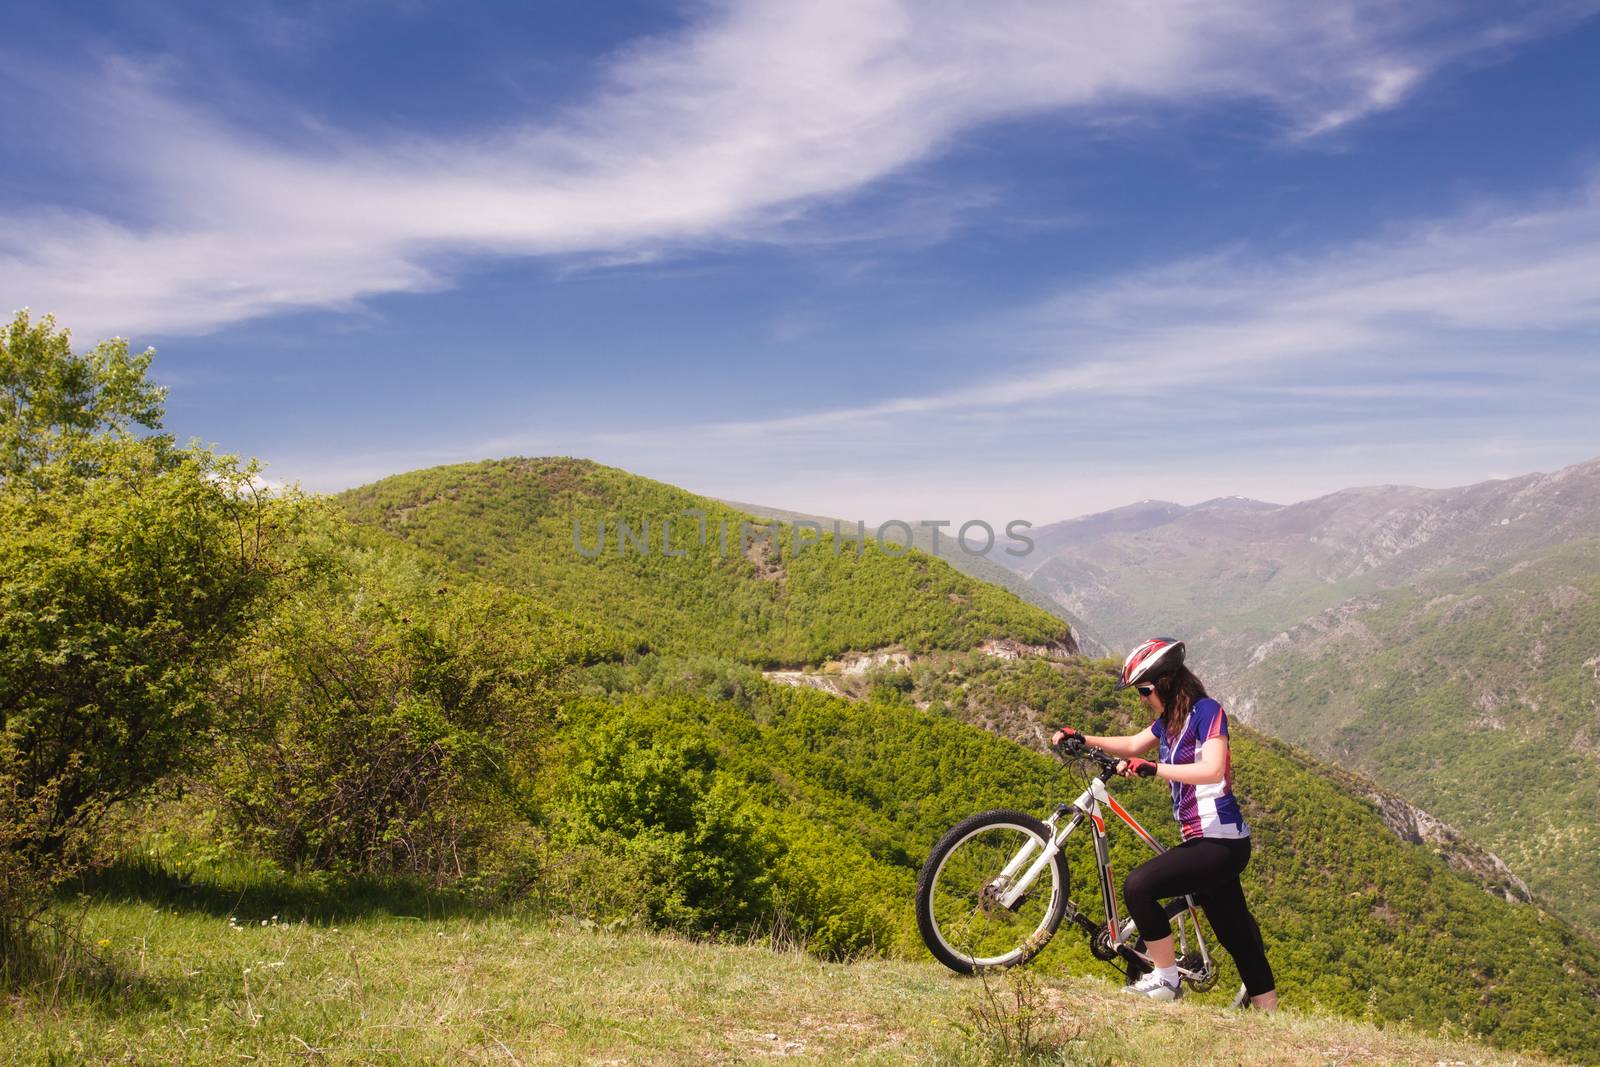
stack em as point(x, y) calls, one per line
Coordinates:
point(1192, 731)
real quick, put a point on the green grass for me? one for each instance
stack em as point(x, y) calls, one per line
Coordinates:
point(186, 987)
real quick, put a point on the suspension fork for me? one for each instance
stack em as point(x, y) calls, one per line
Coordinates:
point(1014, 890)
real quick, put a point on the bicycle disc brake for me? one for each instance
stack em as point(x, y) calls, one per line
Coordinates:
point(991, 897)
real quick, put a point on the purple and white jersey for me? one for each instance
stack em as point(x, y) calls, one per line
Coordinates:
point(1202, 810)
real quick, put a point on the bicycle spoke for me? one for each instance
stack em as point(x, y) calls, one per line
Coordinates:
point(966, 903)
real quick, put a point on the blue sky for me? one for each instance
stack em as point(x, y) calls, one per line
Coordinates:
point(874, 259)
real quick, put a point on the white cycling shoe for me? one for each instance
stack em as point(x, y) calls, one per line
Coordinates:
point(1151, 985)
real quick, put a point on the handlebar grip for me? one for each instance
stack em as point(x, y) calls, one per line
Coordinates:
point(1071, 739)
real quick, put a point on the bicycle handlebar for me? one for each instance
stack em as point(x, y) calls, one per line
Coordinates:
point(1074, 747)
point(1108, 763)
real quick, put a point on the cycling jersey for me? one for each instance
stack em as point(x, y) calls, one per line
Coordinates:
point(1202, 810)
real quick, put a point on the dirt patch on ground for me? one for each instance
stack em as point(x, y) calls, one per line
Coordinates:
point(766, 560)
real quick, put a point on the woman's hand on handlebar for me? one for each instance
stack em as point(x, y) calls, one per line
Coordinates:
point(1136, 767)
point(1066, 737)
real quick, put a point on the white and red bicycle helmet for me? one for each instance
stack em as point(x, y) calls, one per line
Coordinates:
point(1154, 657)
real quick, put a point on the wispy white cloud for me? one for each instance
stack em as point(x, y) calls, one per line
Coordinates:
point(720, 132)
point(1474, 291)
point(1414, 356)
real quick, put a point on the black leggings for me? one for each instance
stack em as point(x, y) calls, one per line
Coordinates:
point(1209, 868)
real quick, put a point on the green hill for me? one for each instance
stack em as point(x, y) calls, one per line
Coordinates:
point(513, 521)
point(849, 796)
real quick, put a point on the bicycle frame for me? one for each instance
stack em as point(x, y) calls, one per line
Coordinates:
point(1087, 807)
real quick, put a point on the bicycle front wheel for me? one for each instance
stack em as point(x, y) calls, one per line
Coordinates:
point(961, 909)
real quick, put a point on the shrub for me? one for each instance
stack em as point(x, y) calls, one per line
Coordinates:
point(387, 723)
point(129, 570)
point(661, 810)
point(38, 852)
point(120, 594)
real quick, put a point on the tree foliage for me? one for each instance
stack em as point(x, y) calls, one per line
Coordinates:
point(129, 569)
point(385, 720)
point(53, 401)
point(661, 809)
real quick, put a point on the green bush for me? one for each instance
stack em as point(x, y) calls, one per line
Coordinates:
point(387, 723)
point(38, 852)
point(129, 571)
point(660, 809)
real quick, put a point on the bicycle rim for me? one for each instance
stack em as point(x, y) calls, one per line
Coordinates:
point(965, 915)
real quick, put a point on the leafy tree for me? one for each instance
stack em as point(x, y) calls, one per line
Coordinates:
point(661, 809)
point(54, 401)
point(128, 571)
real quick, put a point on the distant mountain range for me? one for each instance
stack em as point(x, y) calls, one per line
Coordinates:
point(1444, 641)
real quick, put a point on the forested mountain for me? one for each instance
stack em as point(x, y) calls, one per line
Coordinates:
point(1442, 641)
point(1240, 571)
point(850, 795)
point(1474, 697)
point(527, 523)
point(979, 565)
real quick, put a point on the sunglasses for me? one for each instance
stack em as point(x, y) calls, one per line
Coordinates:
point(1144, 690)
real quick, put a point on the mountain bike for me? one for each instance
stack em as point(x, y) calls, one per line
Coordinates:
point(996, 887)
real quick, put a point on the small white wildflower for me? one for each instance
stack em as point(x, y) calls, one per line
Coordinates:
point(263, 922)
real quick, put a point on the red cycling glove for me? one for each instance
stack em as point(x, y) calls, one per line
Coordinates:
point(1142, 767)
point(1066, 736)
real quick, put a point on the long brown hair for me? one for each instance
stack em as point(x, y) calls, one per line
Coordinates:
point(1178, 689)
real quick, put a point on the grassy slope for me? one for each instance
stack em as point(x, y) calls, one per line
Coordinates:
point(377, 988)
point(1357, 921)
point(1454, 688)
point(512, 521)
